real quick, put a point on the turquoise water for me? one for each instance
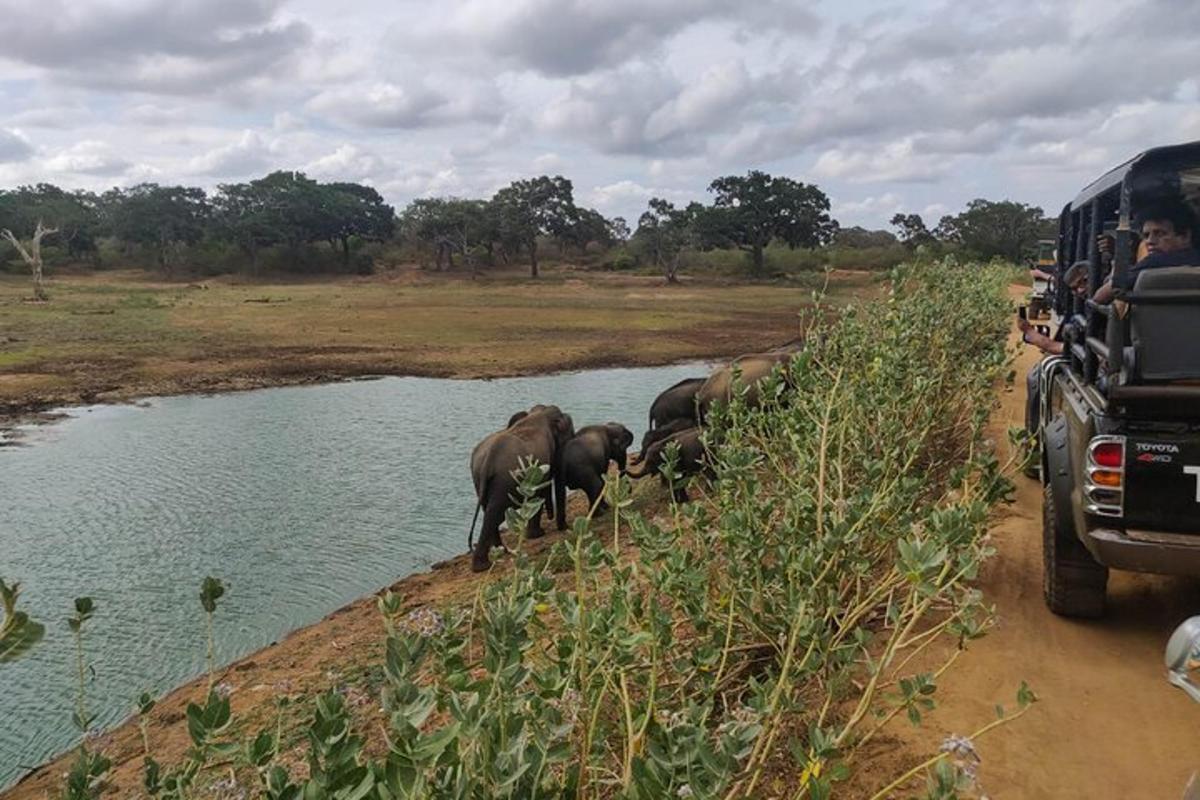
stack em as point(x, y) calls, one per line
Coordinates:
point(300, 499)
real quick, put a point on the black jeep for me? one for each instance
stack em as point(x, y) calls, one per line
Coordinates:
point(1119, 413)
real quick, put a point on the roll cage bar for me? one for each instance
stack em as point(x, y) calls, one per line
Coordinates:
point(1106, 206)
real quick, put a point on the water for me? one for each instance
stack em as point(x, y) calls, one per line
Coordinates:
point(300, 499)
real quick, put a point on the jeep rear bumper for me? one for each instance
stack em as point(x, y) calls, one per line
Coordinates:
point(1137, 551)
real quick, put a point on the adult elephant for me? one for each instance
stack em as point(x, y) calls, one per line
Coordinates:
point(540, 435)
point(750, 370)
point(585, 458)
point(677, 402)
point(692, 461)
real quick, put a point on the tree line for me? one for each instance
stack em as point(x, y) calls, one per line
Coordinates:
point(289, 212)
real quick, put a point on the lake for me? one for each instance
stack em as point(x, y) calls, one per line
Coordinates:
point(300, 499)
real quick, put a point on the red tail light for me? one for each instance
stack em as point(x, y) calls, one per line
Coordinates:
point(1109, 454)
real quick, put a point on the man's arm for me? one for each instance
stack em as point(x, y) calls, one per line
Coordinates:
point(1104, 294)
point(1039, 340)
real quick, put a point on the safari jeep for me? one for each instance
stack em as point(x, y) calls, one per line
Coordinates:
point(1120, 408)
point(1040, 300)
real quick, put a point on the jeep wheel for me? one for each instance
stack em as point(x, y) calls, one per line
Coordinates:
point(1073, 582)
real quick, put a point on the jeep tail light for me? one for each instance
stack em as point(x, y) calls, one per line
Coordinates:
point(1109, 454)
point(1104, 485)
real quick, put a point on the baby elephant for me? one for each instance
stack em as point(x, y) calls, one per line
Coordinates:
point(585, 457)
point(691, 458)
point(662, 432)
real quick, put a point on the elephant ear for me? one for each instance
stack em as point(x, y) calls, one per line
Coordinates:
point(565, 426)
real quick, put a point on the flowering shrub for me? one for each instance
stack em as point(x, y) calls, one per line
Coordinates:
point(766, 630)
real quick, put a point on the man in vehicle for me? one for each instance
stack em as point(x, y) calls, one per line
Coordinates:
point(1168, 231)
point(1076, 280)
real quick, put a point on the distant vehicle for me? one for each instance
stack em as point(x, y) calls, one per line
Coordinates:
point(1041, 301)
point(1119, 422)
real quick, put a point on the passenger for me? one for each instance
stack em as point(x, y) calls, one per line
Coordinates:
point(1076, 280)
point(1168, 229)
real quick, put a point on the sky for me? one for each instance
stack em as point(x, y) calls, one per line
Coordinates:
point(917, 107)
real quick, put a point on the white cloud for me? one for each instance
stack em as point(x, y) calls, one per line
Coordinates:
point(249, 154)
point(89, 157)
point(896, 162)
point(347, 163)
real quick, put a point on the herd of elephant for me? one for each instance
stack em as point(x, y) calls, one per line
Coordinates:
point(579, 459)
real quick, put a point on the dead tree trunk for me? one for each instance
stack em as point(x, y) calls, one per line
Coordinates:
point(32, 255)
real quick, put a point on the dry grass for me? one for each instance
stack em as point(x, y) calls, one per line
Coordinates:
point(115, 335)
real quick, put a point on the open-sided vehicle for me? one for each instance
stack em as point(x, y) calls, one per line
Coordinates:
point(1041, 300)
point(1119, 428)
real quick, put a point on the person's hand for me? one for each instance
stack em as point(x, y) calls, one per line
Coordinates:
point(1105, 244)
point(1024, 325)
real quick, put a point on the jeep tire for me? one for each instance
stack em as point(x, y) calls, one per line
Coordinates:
point(1073, 582)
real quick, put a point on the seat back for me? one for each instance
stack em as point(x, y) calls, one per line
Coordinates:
point(1165, 334)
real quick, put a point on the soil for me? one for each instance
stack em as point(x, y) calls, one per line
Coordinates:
point(1107, 723)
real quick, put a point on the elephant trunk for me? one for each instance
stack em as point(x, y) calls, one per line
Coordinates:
point(644, 463)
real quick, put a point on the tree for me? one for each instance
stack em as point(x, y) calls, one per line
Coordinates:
point(283, 208)
point(527, 209)
point(618, 230)
point(664, 231)
point(987, 229)
point(352, 210)
point(75, 215)
point(32, 255)
point(757, 208)
point(912, 230)
point(165, 218)
point(859, 237)
point(449, 225)
point(584, 226)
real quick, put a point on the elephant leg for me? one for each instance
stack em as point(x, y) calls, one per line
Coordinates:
point(488, 537)
point(534, 529)
point(681, 495)
point(560, 503)
point(595, 491)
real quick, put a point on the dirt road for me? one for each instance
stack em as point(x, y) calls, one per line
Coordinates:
point(1107, 725)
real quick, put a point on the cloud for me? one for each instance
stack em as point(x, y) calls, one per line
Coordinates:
point(14, 146)
point(894, 162)
point(562, 38)
point(249, 154)
point(89, 157)
point(346, 163)
point(388, 105)
point(160, 46)
point(874, 207)
point(630, 197)
point(643, 110)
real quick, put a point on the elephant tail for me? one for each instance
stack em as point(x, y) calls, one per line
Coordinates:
point(478, 505)
point(471, 532)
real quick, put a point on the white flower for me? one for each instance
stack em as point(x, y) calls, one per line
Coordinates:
point(685, 791)
point(425, 622)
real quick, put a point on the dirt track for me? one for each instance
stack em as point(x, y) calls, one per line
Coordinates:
point(1108, 725)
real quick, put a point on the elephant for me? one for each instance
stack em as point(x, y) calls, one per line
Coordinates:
point(662, 432)
point(692, 461)
point(585, 458)
point(754, 367)
point(677, 402)
point(517, 417)
point(540, 435)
